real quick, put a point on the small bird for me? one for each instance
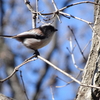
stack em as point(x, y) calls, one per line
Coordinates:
point(35, 38)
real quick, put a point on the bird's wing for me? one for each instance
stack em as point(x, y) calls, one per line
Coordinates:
point(35, 33)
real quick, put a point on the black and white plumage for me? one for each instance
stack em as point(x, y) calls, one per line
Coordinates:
point(35, 38)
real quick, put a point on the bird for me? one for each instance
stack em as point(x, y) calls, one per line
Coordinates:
point(35, 38)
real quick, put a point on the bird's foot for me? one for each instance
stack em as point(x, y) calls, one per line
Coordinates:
point(36, 53)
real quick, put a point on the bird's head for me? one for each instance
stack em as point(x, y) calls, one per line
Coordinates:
point(48, 29)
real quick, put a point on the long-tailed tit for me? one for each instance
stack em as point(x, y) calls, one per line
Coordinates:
point(35, 38)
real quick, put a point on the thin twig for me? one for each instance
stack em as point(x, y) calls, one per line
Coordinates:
point(65, 14)
point(57, 11)
point(54, 5)
point(33, 13)
point(86, 46)
point(77, 43)
point(59, 18)
point(17, 68)
point(73, 59)
point(30, 8)
point(52, 93)
point(23, 85)
point(67, 83)
point(77, 4)
point(37, 9)
point(49, 18)
point(72, 55)
point(55, 67)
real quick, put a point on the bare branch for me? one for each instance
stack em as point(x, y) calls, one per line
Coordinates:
point(23, 85)
point(86, 46)
point(17, 68)
point(77, 4)
point(59, 18)
point(57, 10)
point(65, 14)
point(68, 75)
point(54, 5)
point(33, 13)
point(52, 93)
point(49, 18)
point(67, 83)
point(55, 67)
point(37, 9)
point(29, 6)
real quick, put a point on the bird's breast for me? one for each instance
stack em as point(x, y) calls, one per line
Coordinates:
point(36, 43)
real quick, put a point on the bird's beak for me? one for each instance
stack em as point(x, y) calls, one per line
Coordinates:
point(56, 30)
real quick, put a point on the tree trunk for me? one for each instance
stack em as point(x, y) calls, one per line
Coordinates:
point(91, 73)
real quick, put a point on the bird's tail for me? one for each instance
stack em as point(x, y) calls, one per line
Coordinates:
point(6, 36)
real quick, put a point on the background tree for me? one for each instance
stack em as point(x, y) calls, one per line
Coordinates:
point(91, 74)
